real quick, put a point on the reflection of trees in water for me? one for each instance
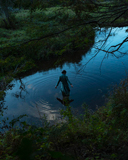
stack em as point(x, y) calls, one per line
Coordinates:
point(55, 62)
point(19, 94)
point(101, 45)
point(2, 101)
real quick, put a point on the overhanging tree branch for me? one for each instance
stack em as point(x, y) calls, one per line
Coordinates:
point(118, 45)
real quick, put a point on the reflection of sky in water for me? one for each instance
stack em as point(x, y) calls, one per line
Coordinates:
point(90, 82)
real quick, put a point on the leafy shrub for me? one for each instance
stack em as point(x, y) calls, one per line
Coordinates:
point(119, 103)
point(10, 23)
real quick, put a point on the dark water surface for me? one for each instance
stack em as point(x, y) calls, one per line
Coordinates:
point(91, 81)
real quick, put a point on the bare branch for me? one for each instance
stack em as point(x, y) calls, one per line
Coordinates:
point(118, 45)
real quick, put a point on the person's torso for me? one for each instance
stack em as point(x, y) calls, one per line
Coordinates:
point(63, 79)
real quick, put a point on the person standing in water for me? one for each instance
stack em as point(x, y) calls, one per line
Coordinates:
point(64, 84)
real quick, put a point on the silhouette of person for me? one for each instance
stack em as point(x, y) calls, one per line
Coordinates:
point(64, 84)
point(64, 89)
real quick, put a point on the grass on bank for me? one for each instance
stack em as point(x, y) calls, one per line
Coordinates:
point(19, 56)
point(102, 134)
point(24, 21)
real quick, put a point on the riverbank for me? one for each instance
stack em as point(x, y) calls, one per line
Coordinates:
point(37, 38)
point(93, 135)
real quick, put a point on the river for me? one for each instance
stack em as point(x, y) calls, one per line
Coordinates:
point(92, 78)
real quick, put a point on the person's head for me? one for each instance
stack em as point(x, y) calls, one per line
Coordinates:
point(63, 72)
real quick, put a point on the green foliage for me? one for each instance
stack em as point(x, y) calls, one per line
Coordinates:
point(67, 113)
point(92, 135)
point(60, 156)
point(10, 23)
point(119, 103)
point(19, 56)
point(27, 4)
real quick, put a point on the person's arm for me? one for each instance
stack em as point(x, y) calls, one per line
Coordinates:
point(69, 82)
point(57, 83)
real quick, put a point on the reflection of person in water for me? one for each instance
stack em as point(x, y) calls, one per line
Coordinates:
point(64, 84)
point(64, 88)
point(65, 101)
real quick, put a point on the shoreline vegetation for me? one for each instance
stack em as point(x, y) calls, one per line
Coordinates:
point(22, 48)
point(102, 134)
